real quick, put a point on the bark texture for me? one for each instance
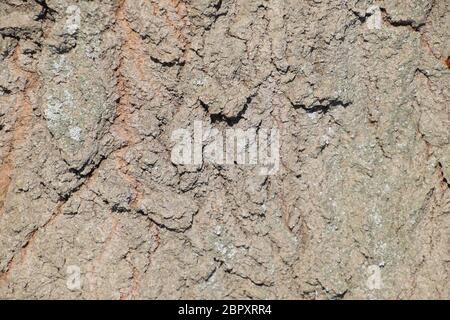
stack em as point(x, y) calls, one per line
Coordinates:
point(91, 91)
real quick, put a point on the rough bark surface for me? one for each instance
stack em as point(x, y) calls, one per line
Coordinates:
point(91, 91)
